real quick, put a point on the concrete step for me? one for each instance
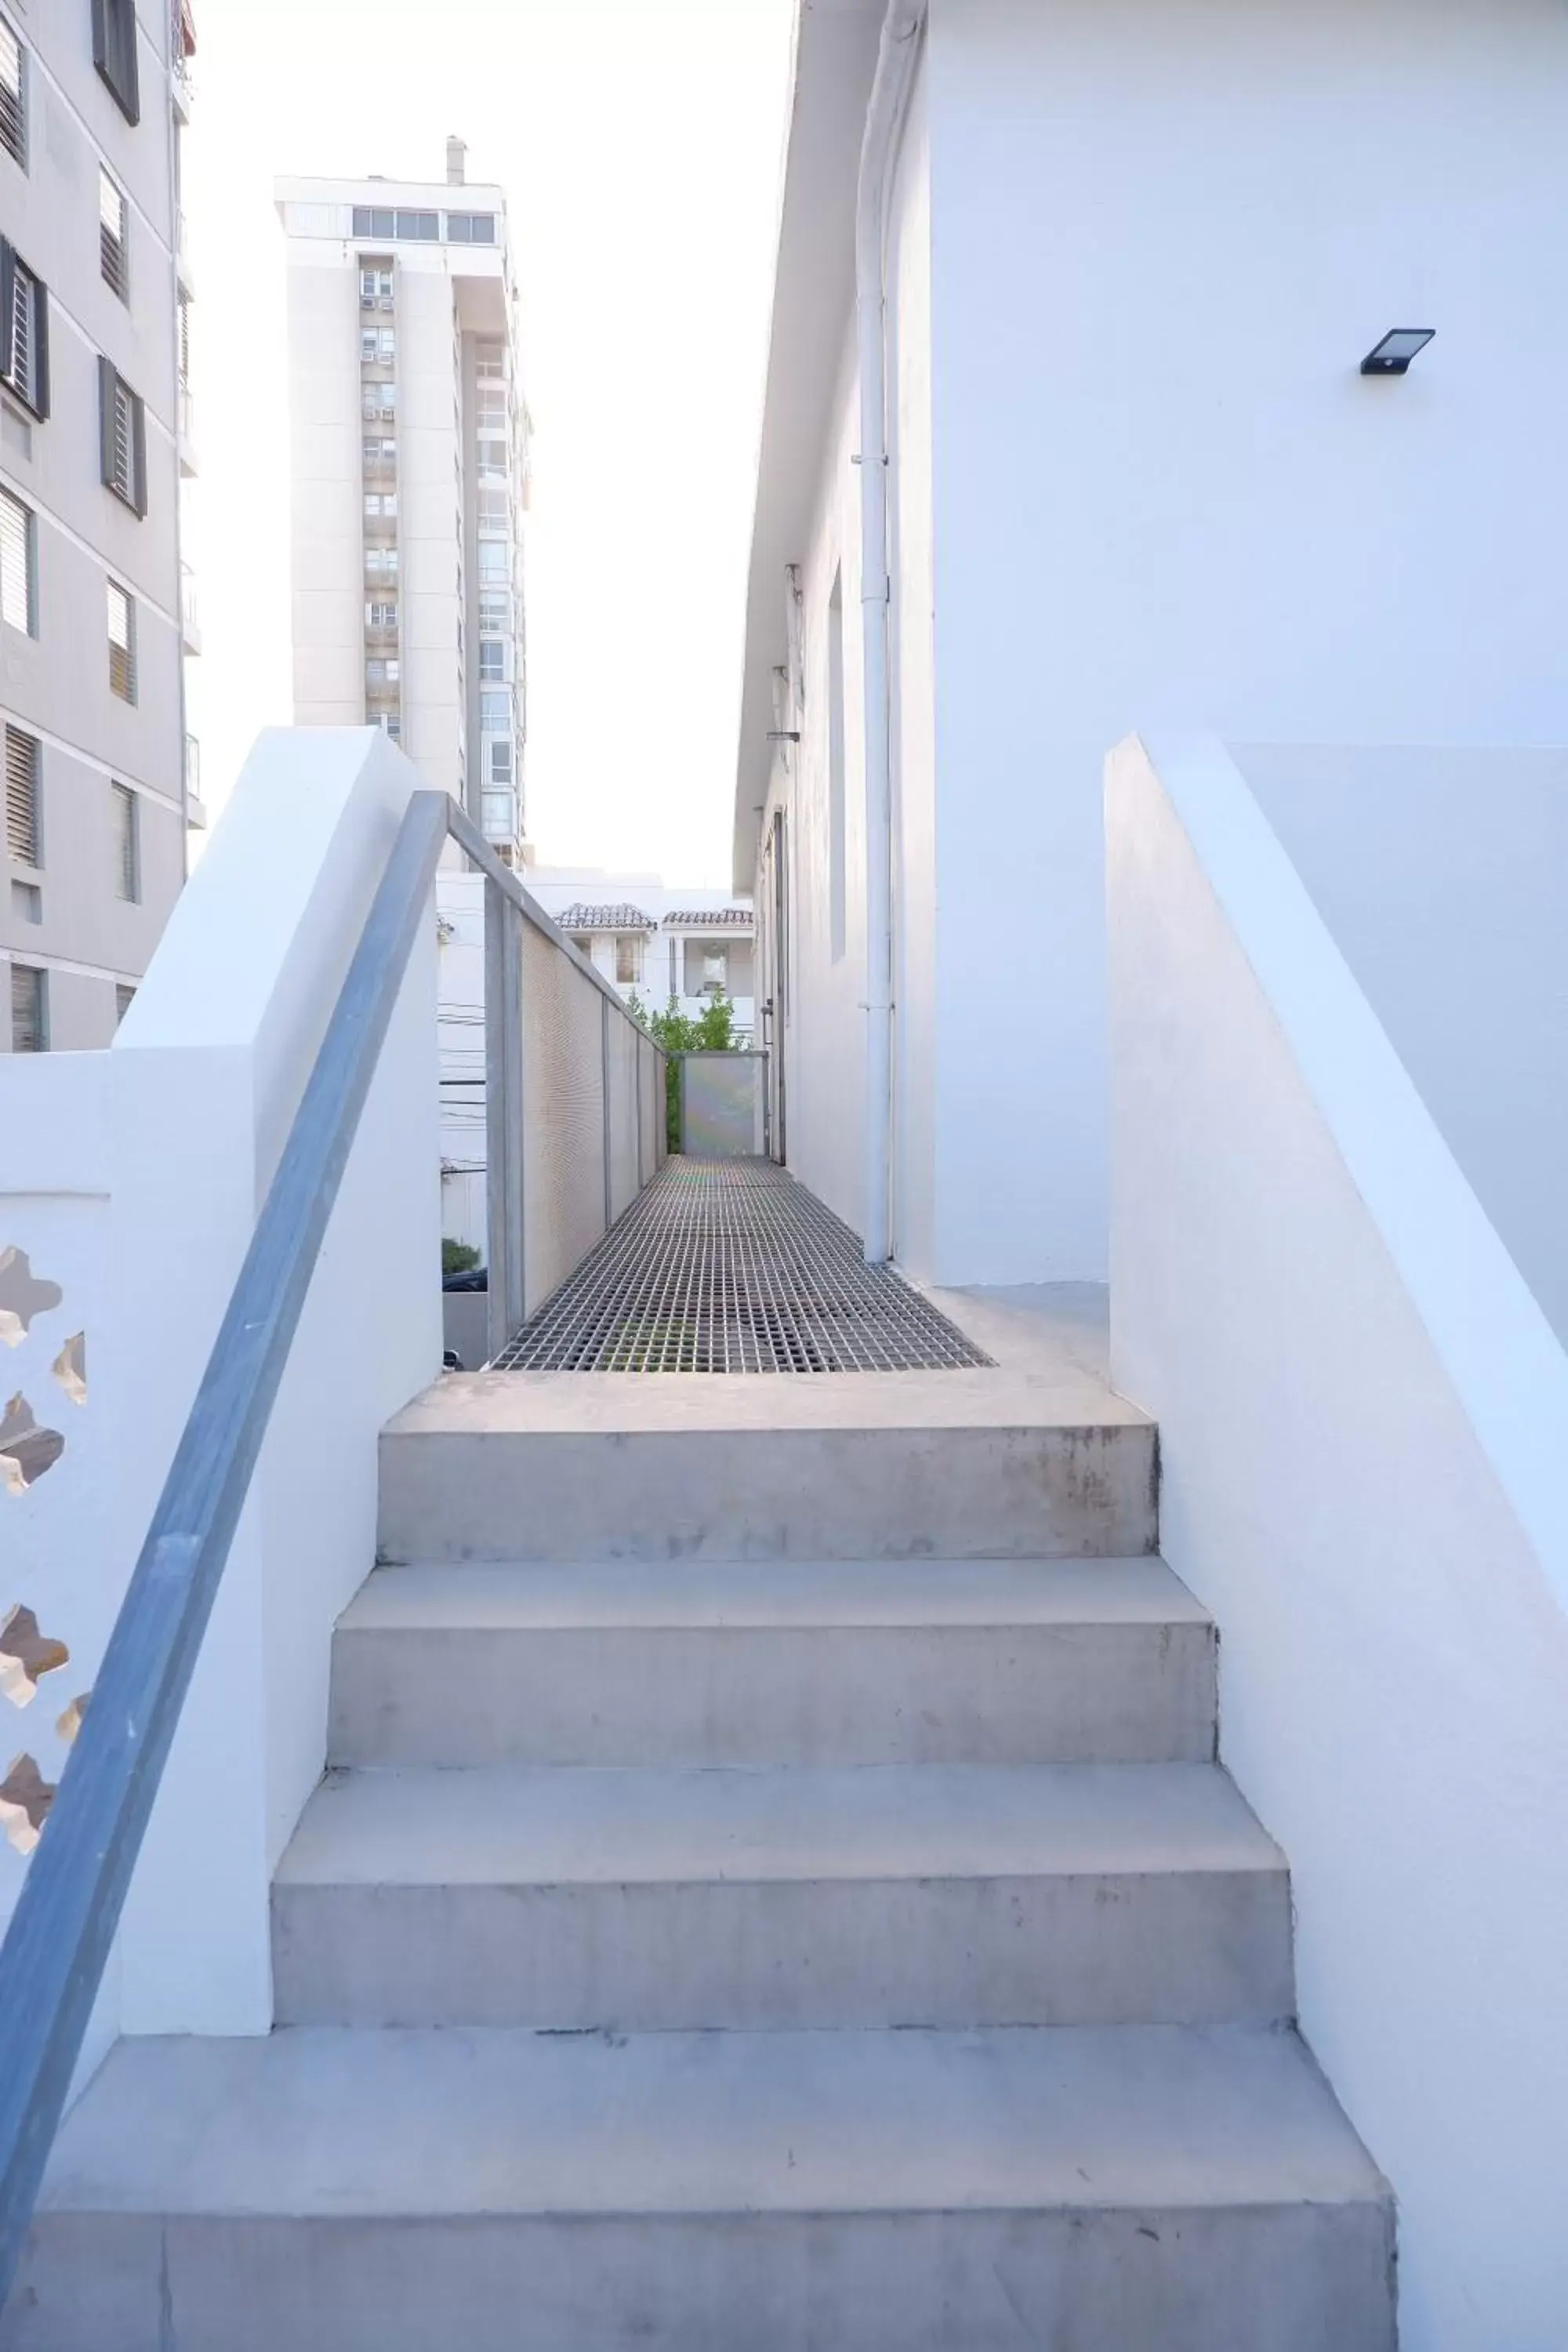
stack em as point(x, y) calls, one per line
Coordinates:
point(1159, 2189)
point(928, 1894)
point(840, 1662)
point(976, 1464)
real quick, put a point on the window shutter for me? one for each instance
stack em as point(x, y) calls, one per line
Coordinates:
point(22, 830)
point(7, 305)
point(122, 644)
point(12, 97)
point(114, 53)
point(138, 452)
point(16, 563)
point(40, 347)
point(113, 234)
point(26, 1009)
point(106, 384)
point(127, 882)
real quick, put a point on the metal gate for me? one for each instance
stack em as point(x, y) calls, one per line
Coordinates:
point(724, 1105)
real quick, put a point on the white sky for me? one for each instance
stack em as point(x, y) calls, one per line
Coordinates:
point(638, 142)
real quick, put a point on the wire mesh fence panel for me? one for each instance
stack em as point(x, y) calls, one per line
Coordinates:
point(624, 1047)
point(651, 1107)
point(562, 1115)
point(730, 1265)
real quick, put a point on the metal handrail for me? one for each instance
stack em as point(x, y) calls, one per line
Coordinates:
point(53, 1956)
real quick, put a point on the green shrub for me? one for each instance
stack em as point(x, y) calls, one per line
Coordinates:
point(714, 1032)
point(458, 1257)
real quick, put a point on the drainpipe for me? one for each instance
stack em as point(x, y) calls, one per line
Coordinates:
point(879, 146)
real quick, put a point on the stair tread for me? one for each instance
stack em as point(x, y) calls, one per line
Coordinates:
point(593, 1825)
point(336, 2123)
point(522, 1597)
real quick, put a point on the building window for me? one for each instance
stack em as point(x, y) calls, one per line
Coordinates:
point(380, 400)
point(715, 971)
point(375, 286)
point(24, 826)
point(114, 53)
point(495, 561)
point(23, 331)
point(380, 457)
point(114, 249)
point(391, 726)
point(380, 504)
point(423, 228)
point(378, 672)
point(628, 959)
point(29, 1010)
point(499, 756)
point(124, 998)
point(490, 362)
point(492, 660)
point(12, 97)
point(122, 425)
point(380, 564)
point(377, 346)
point(122, 644)
point(127, 844)
point(494, 508)
point(495, 608)
point(380, 617)
point(470, 228)
point(18, 565)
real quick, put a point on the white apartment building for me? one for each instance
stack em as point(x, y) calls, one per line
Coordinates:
point(95, 611)
point(409, 471)
point(663, 943)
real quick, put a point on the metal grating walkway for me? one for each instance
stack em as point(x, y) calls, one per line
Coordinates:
point(730, 1265)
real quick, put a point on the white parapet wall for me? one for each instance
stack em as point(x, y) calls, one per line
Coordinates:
point(1363, 1413)
point(130, 1180)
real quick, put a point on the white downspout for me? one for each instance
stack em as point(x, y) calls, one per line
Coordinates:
point(884, 121)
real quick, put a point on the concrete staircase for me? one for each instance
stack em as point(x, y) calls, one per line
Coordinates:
point(726, 1927)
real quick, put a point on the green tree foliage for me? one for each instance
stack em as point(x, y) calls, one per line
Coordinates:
point(458, 1257)
point(712, 1032)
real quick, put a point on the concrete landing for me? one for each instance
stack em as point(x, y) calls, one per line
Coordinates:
point(1031, 1456)
point(1193, 2190)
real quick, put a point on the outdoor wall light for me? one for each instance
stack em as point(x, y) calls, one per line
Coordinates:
point(1398, 349)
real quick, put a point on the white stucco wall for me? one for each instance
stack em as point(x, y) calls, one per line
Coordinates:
point(1363, 1418)
point(824, 1039)
point(824, 1042)
point(133, 1178)
point(1164, 232)
point(913, 690)
point(1441, 876)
